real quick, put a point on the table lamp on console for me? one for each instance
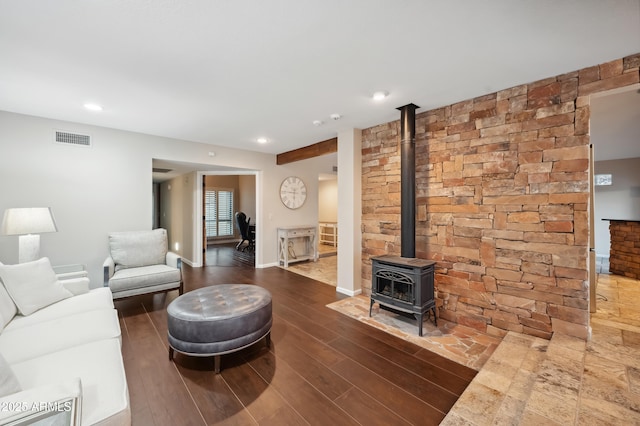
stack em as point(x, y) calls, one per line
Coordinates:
point(28, 223)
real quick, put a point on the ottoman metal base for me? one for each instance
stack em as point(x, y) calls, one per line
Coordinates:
point(218, 320)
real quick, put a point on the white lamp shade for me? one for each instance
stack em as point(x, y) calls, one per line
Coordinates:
point(32, 220)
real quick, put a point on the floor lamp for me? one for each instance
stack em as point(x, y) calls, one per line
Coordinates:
point(28, 223)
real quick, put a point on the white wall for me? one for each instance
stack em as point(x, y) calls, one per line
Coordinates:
point(247, 202)
point(176, 201)
point(328, 199)
point(108, 187)
point(621, 200)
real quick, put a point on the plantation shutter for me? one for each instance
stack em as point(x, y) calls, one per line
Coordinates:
point(225, 213)
point(219, 213)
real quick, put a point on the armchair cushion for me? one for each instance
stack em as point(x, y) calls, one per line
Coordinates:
point(138, 248)
point(32, 285)
point(145, 276)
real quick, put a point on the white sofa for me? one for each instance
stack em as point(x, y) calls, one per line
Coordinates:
point(67, 350)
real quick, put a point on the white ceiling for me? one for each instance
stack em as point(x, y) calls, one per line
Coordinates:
point(228, 72)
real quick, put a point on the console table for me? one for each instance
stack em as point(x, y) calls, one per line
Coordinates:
point(297, 243)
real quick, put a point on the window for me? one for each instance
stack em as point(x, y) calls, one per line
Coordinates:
point(218, 206)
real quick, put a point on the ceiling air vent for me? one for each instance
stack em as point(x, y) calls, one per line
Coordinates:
point(71, 138)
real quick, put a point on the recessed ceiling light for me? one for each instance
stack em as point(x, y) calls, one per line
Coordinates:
point(262, 140)
point(378, 96)
point(317, 122)
point(93, 107)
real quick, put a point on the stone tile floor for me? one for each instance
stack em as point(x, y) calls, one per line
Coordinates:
point(564, 381)
point(325, 269)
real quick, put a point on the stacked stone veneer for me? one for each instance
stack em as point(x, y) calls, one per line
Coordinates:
point(502, 201)
point(624, 256)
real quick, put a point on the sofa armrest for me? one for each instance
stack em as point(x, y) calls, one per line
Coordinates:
point(76, 285)
point(64, 272)
point(109, 267)
point(55, 402)
point(174, 260)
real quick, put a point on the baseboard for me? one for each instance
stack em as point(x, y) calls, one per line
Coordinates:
point(190, 263)
point(348, 292)
point(266, 265)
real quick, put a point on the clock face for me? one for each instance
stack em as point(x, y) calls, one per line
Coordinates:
point(293, 192)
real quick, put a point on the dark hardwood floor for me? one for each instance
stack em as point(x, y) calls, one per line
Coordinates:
point(323, 368)
point(225, 254)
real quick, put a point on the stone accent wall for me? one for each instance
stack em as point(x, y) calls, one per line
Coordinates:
point(502, 201)
point(624, 256)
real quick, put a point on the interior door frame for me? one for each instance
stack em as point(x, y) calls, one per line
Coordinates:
point(200, 231)
point(203, 188)
point(593, 275)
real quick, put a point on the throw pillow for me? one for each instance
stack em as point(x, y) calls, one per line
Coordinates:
point(7, 308)
point(8, 382)
point(32, 285)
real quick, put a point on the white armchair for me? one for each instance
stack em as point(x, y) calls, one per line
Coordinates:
point(139, 262)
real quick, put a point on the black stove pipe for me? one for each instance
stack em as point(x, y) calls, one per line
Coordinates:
point(408, 180)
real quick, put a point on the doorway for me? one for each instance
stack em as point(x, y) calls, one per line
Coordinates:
point(178, 203)
point(224, 195)
point(327, 215)
point(326, 268)
point(615, 183)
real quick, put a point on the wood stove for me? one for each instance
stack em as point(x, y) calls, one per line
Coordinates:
point(404, 285)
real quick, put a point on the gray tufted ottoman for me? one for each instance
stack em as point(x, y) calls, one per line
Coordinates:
point(218, 320)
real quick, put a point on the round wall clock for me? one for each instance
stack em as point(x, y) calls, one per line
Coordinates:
point(293, 192)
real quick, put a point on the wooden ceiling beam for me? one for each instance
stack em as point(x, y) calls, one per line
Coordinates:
point(317, 149)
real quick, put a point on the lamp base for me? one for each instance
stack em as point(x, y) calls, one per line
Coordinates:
point(28, 248)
